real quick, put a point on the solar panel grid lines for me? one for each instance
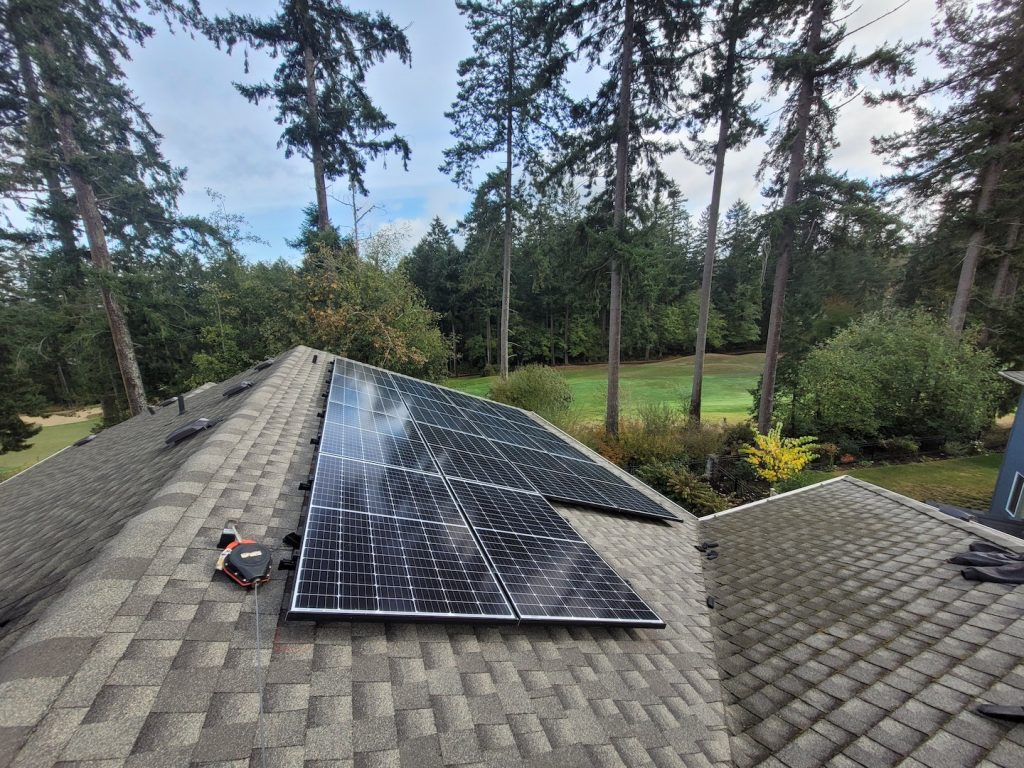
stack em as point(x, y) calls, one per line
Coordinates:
point(506, 509)
point(483, 469)
point(376, 447)
point(421, 484)
point(459, 441)
point(560, 580)
point(375, 489)
point(373, 566)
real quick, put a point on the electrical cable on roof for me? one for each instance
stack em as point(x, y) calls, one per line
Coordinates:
point(260, 724)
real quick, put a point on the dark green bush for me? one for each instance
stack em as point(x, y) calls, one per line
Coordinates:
point(901, 447)
point(536, 388)
point(683, 487)
point(894, 374)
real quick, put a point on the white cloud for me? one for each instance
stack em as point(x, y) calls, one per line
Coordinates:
point(230, 146)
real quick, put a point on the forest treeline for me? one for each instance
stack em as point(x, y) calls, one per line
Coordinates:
point(577, 246)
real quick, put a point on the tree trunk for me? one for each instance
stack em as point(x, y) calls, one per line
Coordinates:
point(487, 336)
point(313, 118)
point(1000, 292)
point(724, 125)
point(355, 218)
point(611, 419)
point(969, 267)
point(797, 160)
point(60, 215)
point(506, 256)
point(565, 331)
point(92, 218)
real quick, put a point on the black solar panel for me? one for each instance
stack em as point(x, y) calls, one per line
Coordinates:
point(510, 510)
point(375, 566)
point(483, 469)
point(412, 480)
point(375, 446)
point(562, 580)
point(576, 489)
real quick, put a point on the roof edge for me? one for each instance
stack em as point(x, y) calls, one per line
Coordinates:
point(767, 499)
point(1017, 377)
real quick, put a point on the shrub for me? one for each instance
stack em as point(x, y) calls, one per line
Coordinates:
point(658, 418)
point(799, 480)
point(536, 388)
point(896, 373)
point(996, 439)
point(737, 435)
point(958, 448)
point(901, 447)
point(776, 458)
point(829, 451)
point(682, 486)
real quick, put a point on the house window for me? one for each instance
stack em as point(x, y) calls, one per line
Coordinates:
point(1015, 504)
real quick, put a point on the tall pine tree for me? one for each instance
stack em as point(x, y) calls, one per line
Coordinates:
point(815, 72)
point(507, 89)
point(84, 127)
point(616, 135)
point(328, 116)
point(966, 151)
point(741, 30)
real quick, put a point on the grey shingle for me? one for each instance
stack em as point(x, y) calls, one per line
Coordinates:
point(879, 685)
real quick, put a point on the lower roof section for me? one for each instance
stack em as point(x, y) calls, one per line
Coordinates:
point(844, 635)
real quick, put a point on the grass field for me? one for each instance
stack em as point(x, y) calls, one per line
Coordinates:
point(728, 380)
point(962, 482)
point(47, 442)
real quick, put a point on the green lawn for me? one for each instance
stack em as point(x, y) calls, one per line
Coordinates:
point(728, 380)
point(46, 443)
point(961, 482)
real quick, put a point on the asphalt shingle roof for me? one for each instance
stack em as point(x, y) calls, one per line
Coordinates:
point(834, 637)
point(844, 635)
point(55, 516)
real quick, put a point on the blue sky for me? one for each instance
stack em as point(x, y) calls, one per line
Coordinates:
point(229, 146)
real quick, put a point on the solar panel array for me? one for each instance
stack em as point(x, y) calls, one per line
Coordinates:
point(428, 503)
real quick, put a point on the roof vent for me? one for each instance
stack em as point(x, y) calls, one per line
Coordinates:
point(84, 440)
point(168, 401)
point(234, 389)
point(185, 432)
point(265, 364)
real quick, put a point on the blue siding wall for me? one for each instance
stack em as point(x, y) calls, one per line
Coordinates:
point(1013, 462)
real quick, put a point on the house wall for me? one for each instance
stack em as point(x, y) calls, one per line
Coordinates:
point(1013, 464)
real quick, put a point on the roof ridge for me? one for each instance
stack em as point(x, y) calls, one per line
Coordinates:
point(971, 527)
point(150, 526)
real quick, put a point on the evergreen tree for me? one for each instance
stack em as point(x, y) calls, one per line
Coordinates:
point(966, 151)
point(82, 124)
point(507, 89)
point(815, 71)
point(741, 29)
point(615, 133)
point(326, 50)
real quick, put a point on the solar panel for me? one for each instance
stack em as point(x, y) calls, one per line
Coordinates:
point(428, 503)
point(575, 489)
point(559, 580)
point(483, 469)
point(549, 571)
point(383, 536)
point(374, 566)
